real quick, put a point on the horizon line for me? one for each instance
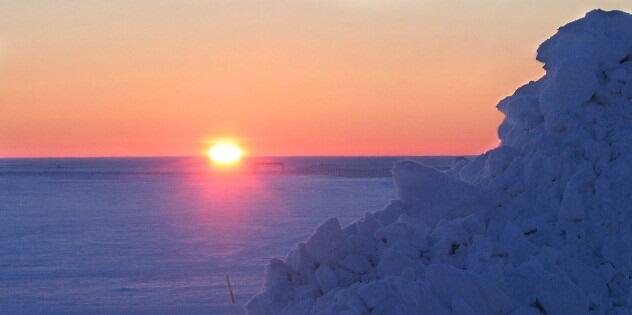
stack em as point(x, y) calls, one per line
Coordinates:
point(250, 156)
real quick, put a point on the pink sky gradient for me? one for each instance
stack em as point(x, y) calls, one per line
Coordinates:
point(151, 78)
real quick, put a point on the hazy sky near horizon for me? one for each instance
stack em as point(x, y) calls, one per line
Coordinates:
point(355, 77)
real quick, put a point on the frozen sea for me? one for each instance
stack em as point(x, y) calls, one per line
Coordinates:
point(159, 235)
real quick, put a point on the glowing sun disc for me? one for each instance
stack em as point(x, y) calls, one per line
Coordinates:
point(225, 153)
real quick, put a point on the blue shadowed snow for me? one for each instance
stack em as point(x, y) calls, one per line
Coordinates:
point(542, 224)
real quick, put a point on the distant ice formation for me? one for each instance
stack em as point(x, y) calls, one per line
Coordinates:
point(540, 225)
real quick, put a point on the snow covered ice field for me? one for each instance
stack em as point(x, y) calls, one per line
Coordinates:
point(542, 224)
point(157, 236)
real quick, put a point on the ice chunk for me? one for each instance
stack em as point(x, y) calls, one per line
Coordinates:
point(327, 243)
point(304, 265)
point(356, 263)
point(326, 278)
point(450, 284)
point(433, 195)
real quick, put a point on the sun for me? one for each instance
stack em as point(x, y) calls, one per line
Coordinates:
point(225, 153)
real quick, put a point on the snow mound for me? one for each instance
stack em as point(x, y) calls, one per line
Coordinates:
point(540, 225)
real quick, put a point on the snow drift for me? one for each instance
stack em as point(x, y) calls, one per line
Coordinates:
point(540, 225)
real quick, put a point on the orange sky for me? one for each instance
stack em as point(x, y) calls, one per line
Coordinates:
point(139, 78)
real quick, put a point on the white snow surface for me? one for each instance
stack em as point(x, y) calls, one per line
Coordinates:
point(541, 224)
